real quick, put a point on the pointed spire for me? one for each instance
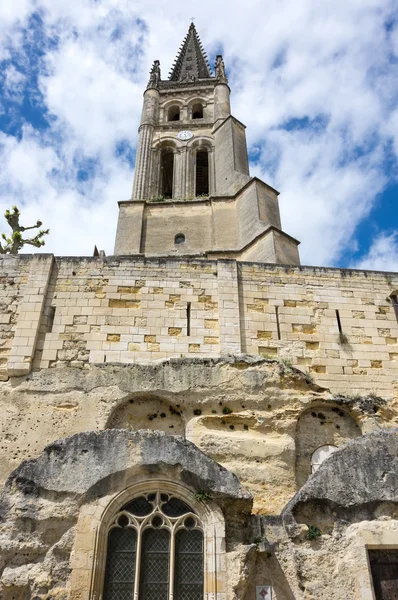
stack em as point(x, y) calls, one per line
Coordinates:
point(191, 62)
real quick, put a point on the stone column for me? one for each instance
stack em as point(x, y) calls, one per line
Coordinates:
point(222, 103)
point(142, 163)
point(149, 118)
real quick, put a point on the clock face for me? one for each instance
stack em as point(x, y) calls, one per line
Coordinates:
point(184, 135)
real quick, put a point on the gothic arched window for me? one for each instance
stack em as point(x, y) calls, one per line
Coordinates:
point(155, 551)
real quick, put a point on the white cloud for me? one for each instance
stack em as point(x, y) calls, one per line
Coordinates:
point(326, 62)
point(382, 255)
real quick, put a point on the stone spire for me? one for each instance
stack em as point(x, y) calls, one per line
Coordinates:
point(191, 62)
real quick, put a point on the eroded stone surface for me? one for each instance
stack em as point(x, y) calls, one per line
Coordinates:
point(42, 499)
point(244, 412)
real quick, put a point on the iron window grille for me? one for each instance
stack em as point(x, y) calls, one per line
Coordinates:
point(155, 551)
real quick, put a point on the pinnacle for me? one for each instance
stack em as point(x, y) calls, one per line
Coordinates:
point(191, 62)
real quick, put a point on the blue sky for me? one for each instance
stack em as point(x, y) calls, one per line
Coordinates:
point(315, 83)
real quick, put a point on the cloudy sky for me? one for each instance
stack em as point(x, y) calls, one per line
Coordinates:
point(316, 83)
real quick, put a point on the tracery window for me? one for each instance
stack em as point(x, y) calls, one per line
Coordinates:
point(155, 551)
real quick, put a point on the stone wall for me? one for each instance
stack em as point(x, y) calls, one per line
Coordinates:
point(75, 311)
point(249, 414)
point(55, 512)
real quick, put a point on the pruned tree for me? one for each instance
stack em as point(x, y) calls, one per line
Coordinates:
point(13, 244)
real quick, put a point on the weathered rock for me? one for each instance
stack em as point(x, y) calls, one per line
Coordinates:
point(43, 497)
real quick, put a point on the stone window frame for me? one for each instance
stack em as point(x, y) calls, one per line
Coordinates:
point(201, 144)
point(88, 558)
point(185, 520)
point(165, 107)
point(191, 104)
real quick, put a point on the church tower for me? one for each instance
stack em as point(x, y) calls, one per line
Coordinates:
point(192, 192)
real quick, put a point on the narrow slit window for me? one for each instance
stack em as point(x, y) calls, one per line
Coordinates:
point(339, 322)
point(188, 318)
point(278, 327)
point(394, 300)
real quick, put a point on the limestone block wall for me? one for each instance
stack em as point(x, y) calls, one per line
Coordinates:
point(337, 326)
point(294, 314)
point(23, 287)
point(121, 311)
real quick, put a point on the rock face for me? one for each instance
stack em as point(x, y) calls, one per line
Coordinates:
point(42, 499)
point(47, 503)
point(356, 480)
point(252, 415)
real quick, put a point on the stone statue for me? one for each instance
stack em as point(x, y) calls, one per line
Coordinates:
point(220, 69)
point(154, 76)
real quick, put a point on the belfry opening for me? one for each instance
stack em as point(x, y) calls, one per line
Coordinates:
point(167, 173)
point(202, 173)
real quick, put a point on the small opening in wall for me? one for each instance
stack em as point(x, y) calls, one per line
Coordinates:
point(188, 318)
point(339, 321)
point(202, 173)
point(394, 300)
point(197, 111)
point(49, 315)
point(167, 173)
point(179, 238)
point(173, 113)
point(278, 328)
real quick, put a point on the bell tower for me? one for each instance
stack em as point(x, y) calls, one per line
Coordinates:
point(192, 191)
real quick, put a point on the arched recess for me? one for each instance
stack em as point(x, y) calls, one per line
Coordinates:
point(207, 519)
point(202, 167)
point(320, 426)
point(147, 412)
point(197, 108)
point(166, 178)
point(170, 107)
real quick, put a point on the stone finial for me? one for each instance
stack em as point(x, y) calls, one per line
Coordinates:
point(220, 69)
point(154, 76)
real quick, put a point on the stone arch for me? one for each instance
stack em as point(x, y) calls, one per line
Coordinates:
point(202, 166)
point(147, 412)
point(209, 515)
point(321, 425)
point(87, 473)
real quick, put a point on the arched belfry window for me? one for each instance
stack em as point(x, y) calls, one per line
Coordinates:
point(155, 551)
point(167, 172)
point(202, 173)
